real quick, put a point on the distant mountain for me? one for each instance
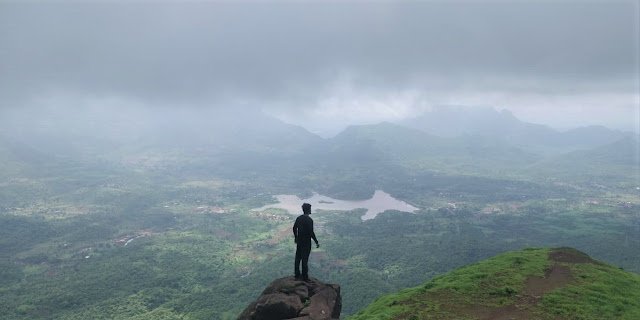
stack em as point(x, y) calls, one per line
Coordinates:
point(247, 131)
point(619, 160)
point(622, 152)
point(503, 125)
point(361, 158)
point(591, 136)
point(452, 121)
point(186, 142)
point(384, 140)
point(103, 132)
point(559, 283)
point(387, 141)
point(9, 165)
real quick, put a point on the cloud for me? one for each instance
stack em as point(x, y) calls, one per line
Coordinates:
point(296, 54)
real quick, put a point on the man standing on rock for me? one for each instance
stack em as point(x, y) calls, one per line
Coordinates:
point(303, 233)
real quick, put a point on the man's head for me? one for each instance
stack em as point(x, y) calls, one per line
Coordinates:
point(306, 208)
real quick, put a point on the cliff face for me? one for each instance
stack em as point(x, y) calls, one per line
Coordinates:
point(288, 298)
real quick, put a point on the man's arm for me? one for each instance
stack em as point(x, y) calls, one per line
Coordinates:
point(313, 235)
point(295, 231)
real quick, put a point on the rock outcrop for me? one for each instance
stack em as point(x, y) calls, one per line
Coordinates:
point(288, 298)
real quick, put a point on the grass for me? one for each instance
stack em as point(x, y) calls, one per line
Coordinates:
point(595, 291)
point(507, 270)
point(600, 292)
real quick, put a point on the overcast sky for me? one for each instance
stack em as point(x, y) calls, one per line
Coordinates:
point(322, 65)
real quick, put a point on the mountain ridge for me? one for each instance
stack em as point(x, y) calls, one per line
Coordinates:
point(455, 121)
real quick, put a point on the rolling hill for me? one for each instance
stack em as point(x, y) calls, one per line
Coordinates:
point(414, 150)
point(533, 283)
point(618, 161)
point(453, 121)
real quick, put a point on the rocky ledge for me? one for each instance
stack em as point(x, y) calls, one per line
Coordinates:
point(288, 298)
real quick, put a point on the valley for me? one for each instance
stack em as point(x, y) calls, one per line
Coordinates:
point(379, 202)
point(197, 233)
point(464, 159)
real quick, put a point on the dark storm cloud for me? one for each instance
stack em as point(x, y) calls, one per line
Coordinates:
point(212, 52)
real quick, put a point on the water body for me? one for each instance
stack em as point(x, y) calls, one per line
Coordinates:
point(380, 202)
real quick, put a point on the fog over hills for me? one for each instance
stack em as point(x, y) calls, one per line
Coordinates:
point(147, 149)
point(503, 125)
point(474, 133)
point(553, 65)
point(482, 137)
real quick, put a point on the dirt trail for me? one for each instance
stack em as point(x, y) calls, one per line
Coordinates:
point(557, 276)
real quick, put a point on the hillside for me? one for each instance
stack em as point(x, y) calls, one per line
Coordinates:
point(454, 121)
point(101, 226)
point(616, 162)
point(559, 283)
point(413, 148)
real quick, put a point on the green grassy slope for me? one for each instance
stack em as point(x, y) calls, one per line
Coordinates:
point(540, 283)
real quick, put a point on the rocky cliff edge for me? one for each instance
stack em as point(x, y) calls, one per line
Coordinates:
point(288, 298)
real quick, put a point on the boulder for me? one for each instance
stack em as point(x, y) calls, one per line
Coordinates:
point(288, 298)
point(323, 303)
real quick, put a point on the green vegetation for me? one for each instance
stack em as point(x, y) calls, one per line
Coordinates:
point(527, 284)
point(599, 292)
point(166, 231)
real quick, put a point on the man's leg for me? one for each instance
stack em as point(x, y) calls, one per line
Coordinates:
point(297, 262)
point(306, 250)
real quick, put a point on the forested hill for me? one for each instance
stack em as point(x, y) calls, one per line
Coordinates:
point(455, 121)
point(558, 283)
point(618, 160)
point(145, 216)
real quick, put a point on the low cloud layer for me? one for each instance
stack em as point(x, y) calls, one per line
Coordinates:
point(312, 60)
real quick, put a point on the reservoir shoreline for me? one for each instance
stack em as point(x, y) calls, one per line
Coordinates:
point(380, 202)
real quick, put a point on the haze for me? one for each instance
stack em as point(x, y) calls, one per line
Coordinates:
point(154, 155)
point(325, 66)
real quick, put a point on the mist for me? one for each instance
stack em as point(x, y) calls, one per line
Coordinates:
point(555, 63)
point(154, 156)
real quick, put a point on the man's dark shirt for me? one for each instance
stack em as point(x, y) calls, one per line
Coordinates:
point(303, 230)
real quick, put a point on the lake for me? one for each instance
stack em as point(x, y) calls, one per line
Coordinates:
point(380, 202)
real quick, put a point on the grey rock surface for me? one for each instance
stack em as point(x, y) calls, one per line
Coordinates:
point(288, 298)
